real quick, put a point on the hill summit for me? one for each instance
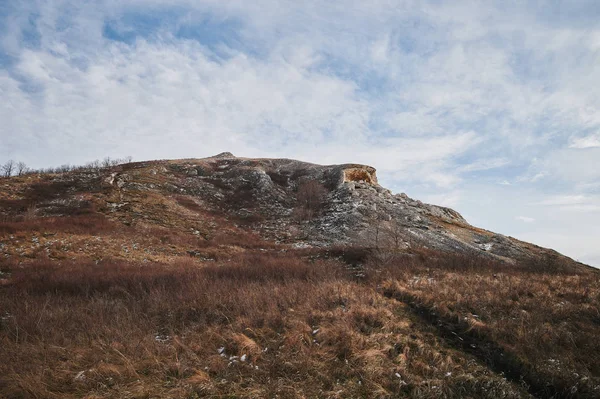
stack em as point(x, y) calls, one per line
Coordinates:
point(283, 200)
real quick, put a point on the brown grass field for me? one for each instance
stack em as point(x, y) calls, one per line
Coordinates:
point(297, 324)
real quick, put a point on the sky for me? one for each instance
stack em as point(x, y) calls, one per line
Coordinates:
point(489, 107)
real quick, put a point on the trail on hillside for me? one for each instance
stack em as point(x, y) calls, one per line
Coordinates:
point(458, 335)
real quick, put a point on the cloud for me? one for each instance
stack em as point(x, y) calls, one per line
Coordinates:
point(176, 95)
point(525, 219)
point(439, 97)
point(574, 203)
point(565, 200)
point(448, 199)
point(485, 164)
point(570, 166)
point(591, 141)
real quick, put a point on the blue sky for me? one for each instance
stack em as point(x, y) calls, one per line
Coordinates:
point(492, 108)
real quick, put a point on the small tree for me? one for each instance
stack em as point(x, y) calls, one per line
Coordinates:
point(94, 165)
point(395, 234)
point(385, 236)
point(64, 168)
point(7, 168)
point(310, 196)
point(377, 230)
point(22, 168)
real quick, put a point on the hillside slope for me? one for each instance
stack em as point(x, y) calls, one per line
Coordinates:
point(197, 195)
point(235, 277)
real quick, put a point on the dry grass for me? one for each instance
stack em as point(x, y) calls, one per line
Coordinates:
point(138, 294)
point(545, 322)
point(258, 326)
point(83, 224)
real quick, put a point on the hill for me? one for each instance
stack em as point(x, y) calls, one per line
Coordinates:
point(240, 277)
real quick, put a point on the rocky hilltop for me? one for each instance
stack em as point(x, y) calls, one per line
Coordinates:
point(202, 197)
point(355, 207)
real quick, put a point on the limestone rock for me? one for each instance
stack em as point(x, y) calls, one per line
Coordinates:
point(263, 194)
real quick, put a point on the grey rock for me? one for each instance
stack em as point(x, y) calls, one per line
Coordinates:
point(263, 192)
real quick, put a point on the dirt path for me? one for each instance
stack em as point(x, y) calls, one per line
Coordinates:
point(489, 353)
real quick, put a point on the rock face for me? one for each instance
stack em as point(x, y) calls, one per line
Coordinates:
point(261, 193)
point(269, 197)
point(359, 173)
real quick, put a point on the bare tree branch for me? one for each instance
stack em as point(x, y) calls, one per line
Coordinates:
point(21, 168)
point(7, 168)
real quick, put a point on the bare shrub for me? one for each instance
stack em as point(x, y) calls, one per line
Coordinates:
point(21, 168)
point(310, 199)
point(83, 224)
point(30, 213)
point(8, 168)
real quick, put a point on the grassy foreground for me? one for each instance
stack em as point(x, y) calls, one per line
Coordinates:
point(298, 324)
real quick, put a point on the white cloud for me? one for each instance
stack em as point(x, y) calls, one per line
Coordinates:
point(380, 50)
point(485, 164)
point(565, 200)
point(573, 203)
point(572, 166)
point(525, 219)
point(447, 199)
point(591, 141)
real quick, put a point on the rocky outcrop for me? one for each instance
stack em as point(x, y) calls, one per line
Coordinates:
point(261, 193)
point(359, 173)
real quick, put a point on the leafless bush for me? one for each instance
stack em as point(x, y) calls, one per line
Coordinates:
point(30, 213)
point(310, 199)
point(7, 168)
point(93, 166)
point(21, 168)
